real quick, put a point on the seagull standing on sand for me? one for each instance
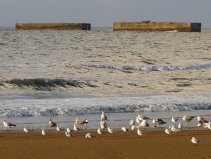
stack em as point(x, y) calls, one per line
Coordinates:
point(167, 131)
point(8, 124)
point(179, 126)
point(140, 133)
point(67, 134)
point(68, 130)
point(140, 118)
point(124, 129)
point(174, 120)
point(75, 128)
point(43, 132)
point(187, 118)
point(80, 121)
point(195, 140)
point(144, 123)
point(51, 123)
point(90, 135)
point(133, 127)
point(26, 130)
point(173, 128)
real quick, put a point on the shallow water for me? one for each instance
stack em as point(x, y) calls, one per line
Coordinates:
point(69, 73)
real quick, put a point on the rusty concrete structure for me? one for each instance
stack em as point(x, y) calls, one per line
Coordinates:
point(157, 26)
point(53, 26)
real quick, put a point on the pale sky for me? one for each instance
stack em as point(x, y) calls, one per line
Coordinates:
point(104, 12)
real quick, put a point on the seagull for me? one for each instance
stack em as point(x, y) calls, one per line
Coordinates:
point(43, 132)
point(90, 135)
point(110, 130)
point(99, 131)
point(67, 134)
point(75, 128)
point(8, 124)
point(140, 118)
point(103, 124)
point(59, 129)
point(140, 133)
point(144, 124)
point(131, 122)
point(26, 130)
point(80, 121)
point(195, 140)
point(103, 116)
point(167, 131)
point(133, 127)
point(160, 121)
point(174, 120)
point(124, 129)
point(187, 118)
point(68, 130)
point(51, 123)
point(179, 126)
point(173, 128)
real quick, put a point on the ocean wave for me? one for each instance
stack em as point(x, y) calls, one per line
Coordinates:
point(46, 84)
point(54, 111)
point(129, 68)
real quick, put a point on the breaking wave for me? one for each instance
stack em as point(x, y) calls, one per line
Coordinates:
point(84, 106)
point(128, 68)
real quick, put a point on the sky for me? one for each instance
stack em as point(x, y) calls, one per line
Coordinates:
point(102, 13)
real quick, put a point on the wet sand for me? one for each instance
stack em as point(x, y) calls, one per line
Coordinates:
point(155, 144)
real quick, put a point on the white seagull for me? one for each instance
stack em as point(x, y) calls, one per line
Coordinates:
point(140, 133)
point(144, 123)
point(174, 120)
point(195, 140)
point(26, 130)
point(167, 131)
point(67, 134)
point(90, 135)
point(75, 128)
point(59, 129)
point(124, 129)
point(133, 127)
point(8, 124)
point(43, 132)
point(179, 126)
point(140, 118)
point(68, 130)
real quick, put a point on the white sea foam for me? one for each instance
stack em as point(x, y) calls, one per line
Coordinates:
point(152, 67)
point(81, 106)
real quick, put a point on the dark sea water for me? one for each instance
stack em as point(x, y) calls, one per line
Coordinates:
point(69, 73)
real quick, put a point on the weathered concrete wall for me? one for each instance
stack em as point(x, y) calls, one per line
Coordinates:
point(157, 26)
point(53, 26)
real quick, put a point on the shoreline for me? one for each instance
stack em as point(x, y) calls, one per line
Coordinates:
point(153, 144)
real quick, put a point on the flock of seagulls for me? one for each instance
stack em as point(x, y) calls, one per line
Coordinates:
point(137, 124)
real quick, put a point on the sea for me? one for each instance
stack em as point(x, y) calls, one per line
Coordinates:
point(67, 74)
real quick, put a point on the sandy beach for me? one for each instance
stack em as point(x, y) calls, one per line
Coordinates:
point(155, 144)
